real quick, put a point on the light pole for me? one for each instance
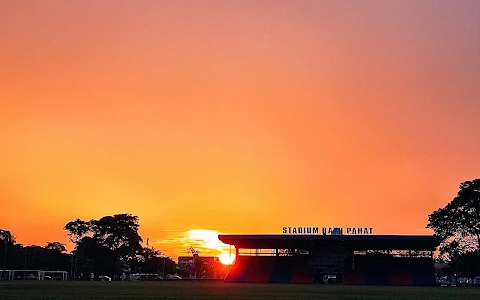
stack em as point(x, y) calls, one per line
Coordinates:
point(163, 257)
point(5, 256)
point(163, 267)
point(6, 236)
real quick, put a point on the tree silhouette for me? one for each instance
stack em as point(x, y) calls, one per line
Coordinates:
point(107, 246)
point(77, 229)
point(56, 246)
point(460, 218)
point(7, 239)
point(92, 257)
point(16, 256)
point(458, 224)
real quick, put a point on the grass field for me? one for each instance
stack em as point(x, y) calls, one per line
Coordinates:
point(13, 290)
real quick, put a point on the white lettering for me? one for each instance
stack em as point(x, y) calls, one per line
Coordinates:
point(328, 230)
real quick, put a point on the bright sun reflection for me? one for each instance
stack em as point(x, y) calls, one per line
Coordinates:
point(226, 258)
point(207, 242)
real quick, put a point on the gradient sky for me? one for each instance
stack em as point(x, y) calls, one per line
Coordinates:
point(235, 116)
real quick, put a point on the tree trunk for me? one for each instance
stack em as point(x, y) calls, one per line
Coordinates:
point(478, 240)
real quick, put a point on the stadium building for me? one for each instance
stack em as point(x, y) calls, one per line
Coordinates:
point(332, 256)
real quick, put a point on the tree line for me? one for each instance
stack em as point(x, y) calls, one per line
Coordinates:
point(15, 256)
point(111, 245)
point(108, 246)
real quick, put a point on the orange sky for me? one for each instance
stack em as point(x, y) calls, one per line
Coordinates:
point(235, 116)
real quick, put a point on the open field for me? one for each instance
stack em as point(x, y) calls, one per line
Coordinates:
point(13, 290)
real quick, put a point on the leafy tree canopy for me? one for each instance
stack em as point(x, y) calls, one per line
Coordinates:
point(108, 245)
point(461, 215)
point(115, 232)
point(56, 246)
point(7, 236)
point(459, 220)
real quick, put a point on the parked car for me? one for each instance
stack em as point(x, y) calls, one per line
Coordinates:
point(104, 278)
point(172, 277)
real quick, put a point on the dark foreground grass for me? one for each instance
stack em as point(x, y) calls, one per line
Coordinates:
point(40, 290)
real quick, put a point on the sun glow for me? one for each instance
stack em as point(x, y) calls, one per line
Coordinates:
point(207, 243)
point(226, 258)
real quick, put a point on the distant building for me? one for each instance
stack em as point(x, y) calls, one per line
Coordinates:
point(209, 268)
point(185, 261)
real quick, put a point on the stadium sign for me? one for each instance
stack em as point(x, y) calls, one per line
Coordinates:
point(327, 230)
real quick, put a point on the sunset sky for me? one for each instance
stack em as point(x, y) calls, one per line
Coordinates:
point(235, 116)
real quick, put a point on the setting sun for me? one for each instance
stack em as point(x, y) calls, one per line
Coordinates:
point(207, 243)
point(205, 238)
point(226, 258)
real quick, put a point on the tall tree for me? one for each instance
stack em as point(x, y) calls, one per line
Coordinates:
point(117, 231)
point(461, 216)
point(109, 244)
point(7, 239)
point(7, 236)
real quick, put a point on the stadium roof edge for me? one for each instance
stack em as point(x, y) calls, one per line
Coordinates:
point(357, 242)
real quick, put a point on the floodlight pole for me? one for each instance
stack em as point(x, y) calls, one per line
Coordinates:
point(5, 256)
point(164, 267)
point(164, 257)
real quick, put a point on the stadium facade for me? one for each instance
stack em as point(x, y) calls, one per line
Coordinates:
point(359, 259)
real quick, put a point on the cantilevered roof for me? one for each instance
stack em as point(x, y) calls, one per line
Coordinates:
point(357, 242)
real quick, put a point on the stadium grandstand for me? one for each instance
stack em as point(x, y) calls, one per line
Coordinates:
point(333, 258)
